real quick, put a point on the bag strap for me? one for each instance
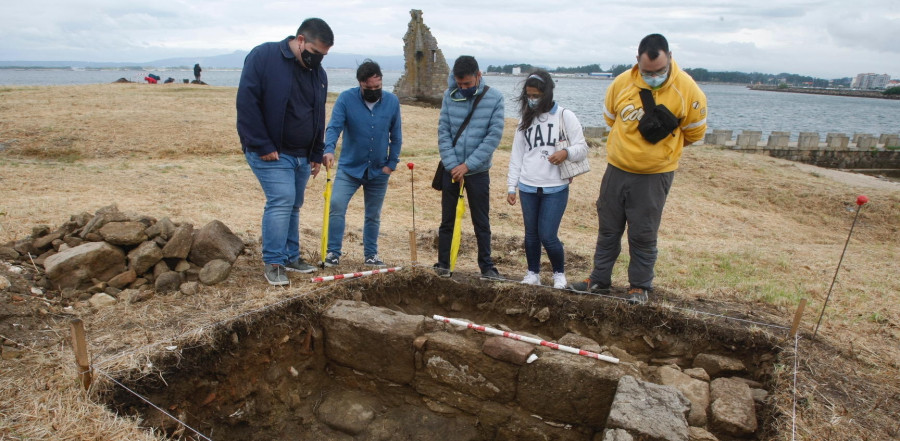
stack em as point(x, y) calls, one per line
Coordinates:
point(647, 100)
point(469, 116)
point(563, 136)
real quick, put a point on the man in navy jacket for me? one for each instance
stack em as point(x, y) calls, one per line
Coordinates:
point(370, 121)
point(281, 124)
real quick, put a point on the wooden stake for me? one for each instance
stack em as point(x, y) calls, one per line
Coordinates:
point(79, 344)
point(412, 247)
point(797, 316)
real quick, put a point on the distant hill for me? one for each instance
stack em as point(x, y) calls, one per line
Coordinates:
point(234, 60)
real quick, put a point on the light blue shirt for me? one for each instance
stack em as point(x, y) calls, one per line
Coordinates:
point(372, 137)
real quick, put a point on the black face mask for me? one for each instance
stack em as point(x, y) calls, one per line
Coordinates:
point(310, 59)
point(371, 96)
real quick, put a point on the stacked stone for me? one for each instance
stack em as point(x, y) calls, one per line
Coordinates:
point(681, 398)
point(110, 256)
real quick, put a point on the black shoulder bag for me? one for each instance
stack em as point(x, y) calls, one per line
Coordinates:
point(437, 182)
point(658, 122)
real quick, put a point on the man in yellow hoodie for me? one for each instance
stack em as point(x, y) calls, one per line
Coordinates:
point(654, 110)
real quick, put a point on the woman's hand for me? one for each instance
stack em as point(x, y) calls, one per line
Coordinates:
point(511, 198)
point(558, 157)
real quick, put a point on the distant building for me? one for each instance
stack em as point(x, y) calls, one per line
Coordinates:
point(425, 75)
point(870, 81)
point(601, 74)
point(517, 71)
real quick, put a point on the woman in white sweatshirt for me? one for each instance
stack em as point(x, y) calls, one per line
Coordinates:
point(534, 172)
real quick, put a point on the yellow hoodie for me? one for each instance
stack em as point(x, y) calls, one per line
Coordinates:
point(626, 148)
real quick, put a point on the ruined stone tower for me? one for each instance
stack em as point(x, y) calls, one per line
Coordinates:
point(425, 75)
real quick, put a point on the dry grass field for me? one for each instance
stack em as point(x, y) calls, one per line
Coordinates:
point(740, 233)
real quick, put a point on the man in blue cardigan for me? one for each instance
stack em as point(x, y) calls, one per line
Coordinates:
point(370, 121)
point(281, 124)
point(467, 160)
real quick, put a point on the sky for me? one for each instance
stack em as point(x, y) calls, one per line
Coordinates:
point(826, 39)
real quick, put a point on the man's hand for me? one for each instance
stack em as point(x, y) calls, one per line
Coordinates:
point(270, 156)
point(315, 168)
point(386, 170)
point(328, 160)
point(511, 198)
point(459, 172)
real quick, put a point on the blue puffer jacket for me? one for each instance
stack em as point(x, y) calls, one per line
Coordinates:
point(481, 137)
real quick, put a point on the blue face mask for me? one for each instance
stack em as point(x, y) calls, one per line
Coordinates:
point(468, 93)
point(655, 82)
point(533, 102)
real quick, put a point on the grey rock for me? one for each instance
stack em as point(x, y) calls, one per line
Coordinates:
point(189, 288)
point(159, 268)
point(617, 435)
point(124, 234)
point(732, 409)
point(698, 373)
point(718, 365)
point(216, 271)
point(348, 412)
point(40, 231)
point(215, 241)
point(179, 244)
point(168, 282)
point(144, 257)
point(182, 266)
point(700, 434)
point(695, 390)
point(110, 213)
point(44, 242)
point(505, 349)
point(9, 253)
point(4, 283)
point(101, 300)
point(75, 267)
point(649, 411)
point(162, 228)
point(124, 279)
point(580, 342)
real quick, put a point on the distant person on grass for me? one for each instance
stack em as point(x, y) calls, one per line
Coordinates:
point(467, 160)
point(654, 111)
point(534, 172)
point(197, 72)
point(281, 124)
point(369, 118)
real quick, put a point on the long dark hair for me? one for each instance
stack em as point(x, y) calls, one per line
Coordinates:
point(540, 80)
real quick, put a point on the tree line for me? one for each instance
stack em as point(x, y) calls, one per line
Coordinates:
point(699, 74)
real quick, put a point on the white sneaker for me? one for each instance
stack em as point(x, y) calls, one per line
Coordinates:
point(559, 281)
point(531, 278)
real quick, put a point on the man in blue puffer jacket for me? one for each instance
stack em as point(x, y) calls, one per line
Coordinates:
point(468, 159)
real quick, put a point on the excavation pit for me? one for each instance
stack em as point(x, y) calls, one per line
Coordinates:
point(365, 360)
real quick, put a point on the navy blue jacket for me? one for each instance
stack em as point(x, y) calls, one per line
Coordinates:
point(262, 99)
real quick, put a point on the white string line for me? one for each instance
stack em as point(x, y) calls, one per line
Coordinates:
point(153, 405)
point(796, 366)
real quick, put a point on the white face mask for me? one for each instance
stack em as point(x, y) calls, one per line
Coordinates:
point(655, 82)
point(533, 102)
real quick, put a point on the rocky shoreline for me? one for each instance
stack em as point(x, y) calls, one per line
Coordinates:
point(821, 91)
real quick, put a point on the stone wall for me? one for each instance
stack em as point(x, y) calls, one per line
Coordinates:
point(839, 150)
point(425, 74)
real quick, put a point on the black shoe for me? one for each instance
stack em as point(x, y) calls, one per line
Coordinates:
point(332, 259)
point(441, 271)
point(637, 296)
point(589, 287)
point(491, 274)
point(373, 260)
point(300, 266)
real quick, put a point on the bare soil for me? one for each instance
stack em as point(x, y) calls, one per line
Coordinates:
point(742, 236)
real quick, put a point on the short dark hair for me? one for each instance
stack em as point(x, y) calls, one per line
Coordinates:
point(315, 29)
point(464, 66)
point(368, 69)
point(652, 44)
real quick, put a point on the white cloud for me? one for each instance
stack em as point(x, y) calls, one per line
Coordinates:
point(811, 37)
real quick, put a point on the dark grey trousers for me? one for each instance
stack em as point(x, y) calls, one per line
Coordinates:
point(635, 201)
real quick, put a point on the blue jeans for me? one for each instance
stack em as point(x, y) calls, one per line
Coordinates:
point(542, 214)
point(374, 189)
point(283, 182)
